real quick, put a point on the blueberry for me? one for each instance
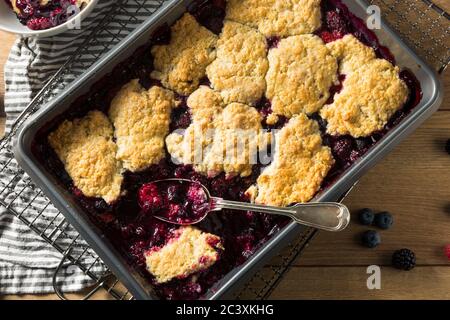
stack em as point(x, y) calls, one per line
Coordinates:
point(127, 231)
point(366, 216)
point(140, 231)
point(322, 122)
point(384, 220)
point(272, 42)
point(173, 194)
point(182, 213)
point(362, 144)
point(371, 238)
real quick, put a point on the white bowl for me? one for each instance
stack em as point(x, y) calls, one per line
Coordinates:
point(10, 23)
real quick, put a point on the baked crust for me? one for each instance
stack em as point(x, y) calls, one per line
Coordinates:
point(241, 64)
point(372, 91)
point(350, 53)
point(86, 148)
point(221, 138)
point(188, 251)
point(277, 17)
point(301, 72)
point(141, 121)
point(182, 64)
point(299, 166)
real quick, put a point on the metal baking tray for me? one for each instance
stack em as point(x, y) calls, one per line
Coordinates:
point(168, 13)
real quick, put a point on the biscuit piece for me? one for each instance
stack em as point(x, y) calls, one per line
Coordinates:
point(86, 148)
point(181, 64)
point(372, 90)
point(141, 120)
point(301, 72)
point(191, 146)
point(188, 251)
point(220, 138)
point(350, 53)
point(241, 64)
point(370, 96)
point(300, 164)
point(277, 17)
point(238, 138)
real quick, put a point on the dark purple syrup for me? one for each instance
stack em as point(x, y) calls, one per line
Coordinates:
point(130, 227)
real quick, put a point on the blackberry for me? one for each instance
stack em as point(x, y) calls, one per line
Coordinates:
point(336, 23)
point(366, 216)
point(342, 148)
point(447, 146)
point(384, 220)
point(404, 259)
point(371, 238)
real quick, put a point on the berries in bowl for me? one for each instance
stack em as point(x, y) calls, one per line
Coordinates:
point(43, 18)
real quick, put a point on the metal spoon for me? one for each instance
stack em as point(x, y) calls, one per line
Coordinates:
point(329, 216)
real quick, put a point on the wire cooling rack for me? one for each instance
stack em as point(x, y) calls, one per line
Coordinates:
point(420, 22)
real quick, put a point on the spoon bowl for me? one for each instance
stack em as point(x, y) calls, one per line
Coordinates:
point(165, 197)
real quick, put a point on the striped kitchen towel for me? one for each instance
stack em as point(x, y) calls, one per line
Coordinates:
point(27, 262)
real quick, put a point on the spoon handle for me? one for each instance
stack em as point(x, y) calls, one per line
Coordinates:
point(329, 216)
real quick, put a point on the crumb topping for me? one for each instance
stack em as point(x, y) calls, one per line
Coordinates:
point(372, 91)
point(182, 64)
point(189, 251)
point(141, 121)
point(299, 166)
point(221, 138)
point(277, 17)
point(241, 64)
point(86, 148)
point(301, 72)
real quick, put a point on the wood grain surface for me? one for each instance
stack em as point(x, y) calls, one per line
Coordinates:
point(413, 183)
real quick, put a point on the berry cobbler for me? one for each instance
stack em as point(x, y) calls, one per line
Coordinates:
point(307, 77)
point(45, 14)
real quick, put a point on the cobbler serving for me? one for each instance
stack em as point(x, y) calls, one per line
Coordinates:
point(308, 78)
point(45, 14)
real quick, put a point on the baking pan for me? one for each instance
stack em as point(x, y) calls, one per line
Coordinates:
point(168, 13)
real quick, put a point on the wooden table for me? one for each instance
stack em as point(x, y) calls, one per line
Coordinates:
point(413, 183)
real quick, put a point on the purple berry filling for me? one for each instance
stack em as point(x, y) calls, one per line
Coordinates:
point(37, 16)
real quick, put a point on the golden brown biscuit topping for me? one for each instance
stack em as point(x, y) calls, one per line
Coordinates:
point(277, 17)
point(182, 64)
point(372, 91)
point(221, 138)
point(141, 121)
point(241, 64)
point(189, 251)
point(301, 72)
point(299, 166)
point(86, 148)
point(350, 53)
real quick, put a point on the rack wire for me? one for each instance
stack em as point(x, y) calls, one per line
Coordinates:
point(420, 22)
